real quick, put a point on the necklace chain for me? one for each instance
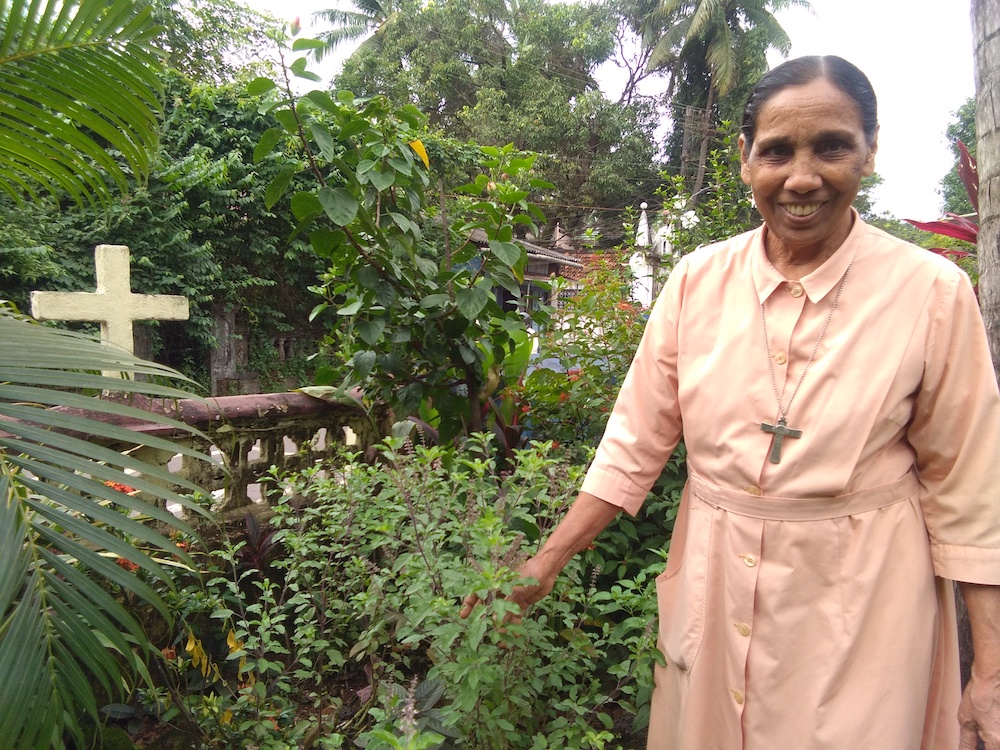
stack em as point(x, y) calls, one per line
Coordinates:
point(783, 410)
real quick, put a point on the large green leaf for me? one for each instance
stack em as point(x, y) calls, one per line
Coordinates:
point(78, 81)
point(62, 528)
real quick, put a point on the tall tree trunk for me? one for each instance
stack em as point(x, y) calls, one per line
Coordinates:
point(986, 41)
point(686, 170)
point(706, 136)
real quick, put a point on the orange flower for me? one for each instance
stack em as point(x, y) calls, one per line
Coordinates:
point(563, 397)
point(169, 653)
point(573, 374)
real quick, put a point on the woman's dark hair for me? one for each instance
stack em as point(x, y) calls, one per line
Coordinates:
point(802, 70)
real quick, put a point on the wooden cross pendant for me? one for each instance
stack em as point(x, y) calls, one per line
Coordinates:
point(780, 432)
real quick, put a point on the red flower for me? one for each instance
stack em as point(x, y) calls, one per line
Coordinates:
point(169, 653)
point(120, 487)
point(573, 374)
point(563, 397)
point(126, 564)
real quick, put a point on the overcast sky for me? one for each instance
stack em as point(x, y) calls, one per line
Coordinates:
point(917, 53)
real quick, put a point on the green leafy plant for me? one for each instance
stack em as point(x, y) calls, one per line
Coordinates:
point(415, 315)
point(355, 637)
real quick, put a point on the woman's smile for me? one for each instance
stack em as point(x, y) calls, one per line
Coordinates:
point(802, 209)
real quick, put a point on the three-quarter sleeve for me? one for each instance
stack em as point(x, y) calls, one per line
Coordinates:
point(955, 432)
point(645, 423)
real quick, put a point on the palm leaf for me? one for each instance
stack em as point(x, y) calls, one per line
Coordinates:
point(62, 528)
point(78, 79)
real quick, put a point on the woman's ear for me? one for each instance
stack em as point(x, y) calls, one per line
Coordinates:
point(869, 167)
point(744, 159)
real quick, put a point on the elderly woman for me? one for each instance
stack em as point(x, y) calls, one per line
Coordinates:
point(834, 389)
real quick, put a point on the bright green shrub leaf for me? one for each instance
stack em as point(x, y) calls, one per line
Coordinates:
point(427, 267)
point(298, 68)
point(306, 44)
point(261, 85)
point(287, 120)
point(381, 180)
point(267, 143)
point(363, 363)
point(325, 241)
point(401, 165)
point(471, 301)
point(324, 101)
point(326, 142)
point(350, 308)
point(305, 205)
point(370, 330)
point(434, 300)
point(339, 205)
point(353, 128)
point(278, 186)
point(510, 197)
point(506, 252)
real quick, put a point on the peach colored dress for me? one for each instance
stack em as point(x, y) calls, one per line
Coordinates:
point(806, 604)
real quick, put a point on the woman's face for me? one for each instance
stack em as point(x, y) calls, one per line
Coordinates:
point(805, 167)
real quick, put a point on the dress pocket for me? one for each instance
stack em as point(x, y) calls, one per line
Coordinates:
point(681, 593)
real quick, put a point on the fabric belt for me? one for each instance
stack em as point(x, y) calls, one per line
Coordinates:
point(771, 508)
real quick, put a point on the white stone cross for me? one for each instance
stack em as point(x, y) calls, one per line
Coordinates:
point(113, 305)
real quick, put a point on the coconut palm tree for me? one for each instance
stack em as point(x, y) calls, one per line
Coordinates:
point(714, 36)
point(367, 22)
point(79, 101)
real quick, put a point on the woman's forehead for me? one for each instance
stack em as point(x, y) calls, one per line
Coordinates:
point(812, 107)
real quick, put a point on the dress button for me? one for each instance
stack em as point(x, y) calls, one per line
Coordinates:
point(796, 291)
point(749, 560)
point(780, 358)
point(755, 491)
point(738, 697)
point(742, 628)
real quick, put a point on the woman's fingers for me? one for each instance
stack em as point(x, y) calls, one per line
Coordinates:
point(468, 604)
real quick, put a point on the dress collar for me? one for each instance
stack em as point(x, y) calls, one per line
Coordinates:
point(817, 284)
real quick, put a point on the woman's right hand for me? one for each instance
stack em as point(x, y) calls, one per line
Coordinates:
point(584, 521)
point(522, 595)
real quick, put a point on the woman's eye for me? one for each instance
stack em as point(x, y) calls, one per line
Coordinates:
point(775, 152)
point(834, 147)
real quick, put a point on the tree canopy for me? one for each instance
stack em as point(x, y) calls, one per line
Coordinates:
point(494, 73)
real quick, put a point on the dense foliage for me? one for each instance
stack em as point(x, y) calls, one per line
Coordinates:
point(198, 227)
point(340, 622)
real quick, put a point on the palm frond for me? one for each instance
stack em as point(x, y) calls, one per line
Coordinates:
point(78, 79)
point(721, 56)
point(63, 530)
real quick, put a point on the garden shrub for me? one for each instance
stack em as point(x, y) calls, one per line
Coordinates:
point(351, 633)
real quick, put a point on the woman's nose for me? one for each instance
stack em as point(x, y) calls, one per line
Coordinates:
point(803, 177)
